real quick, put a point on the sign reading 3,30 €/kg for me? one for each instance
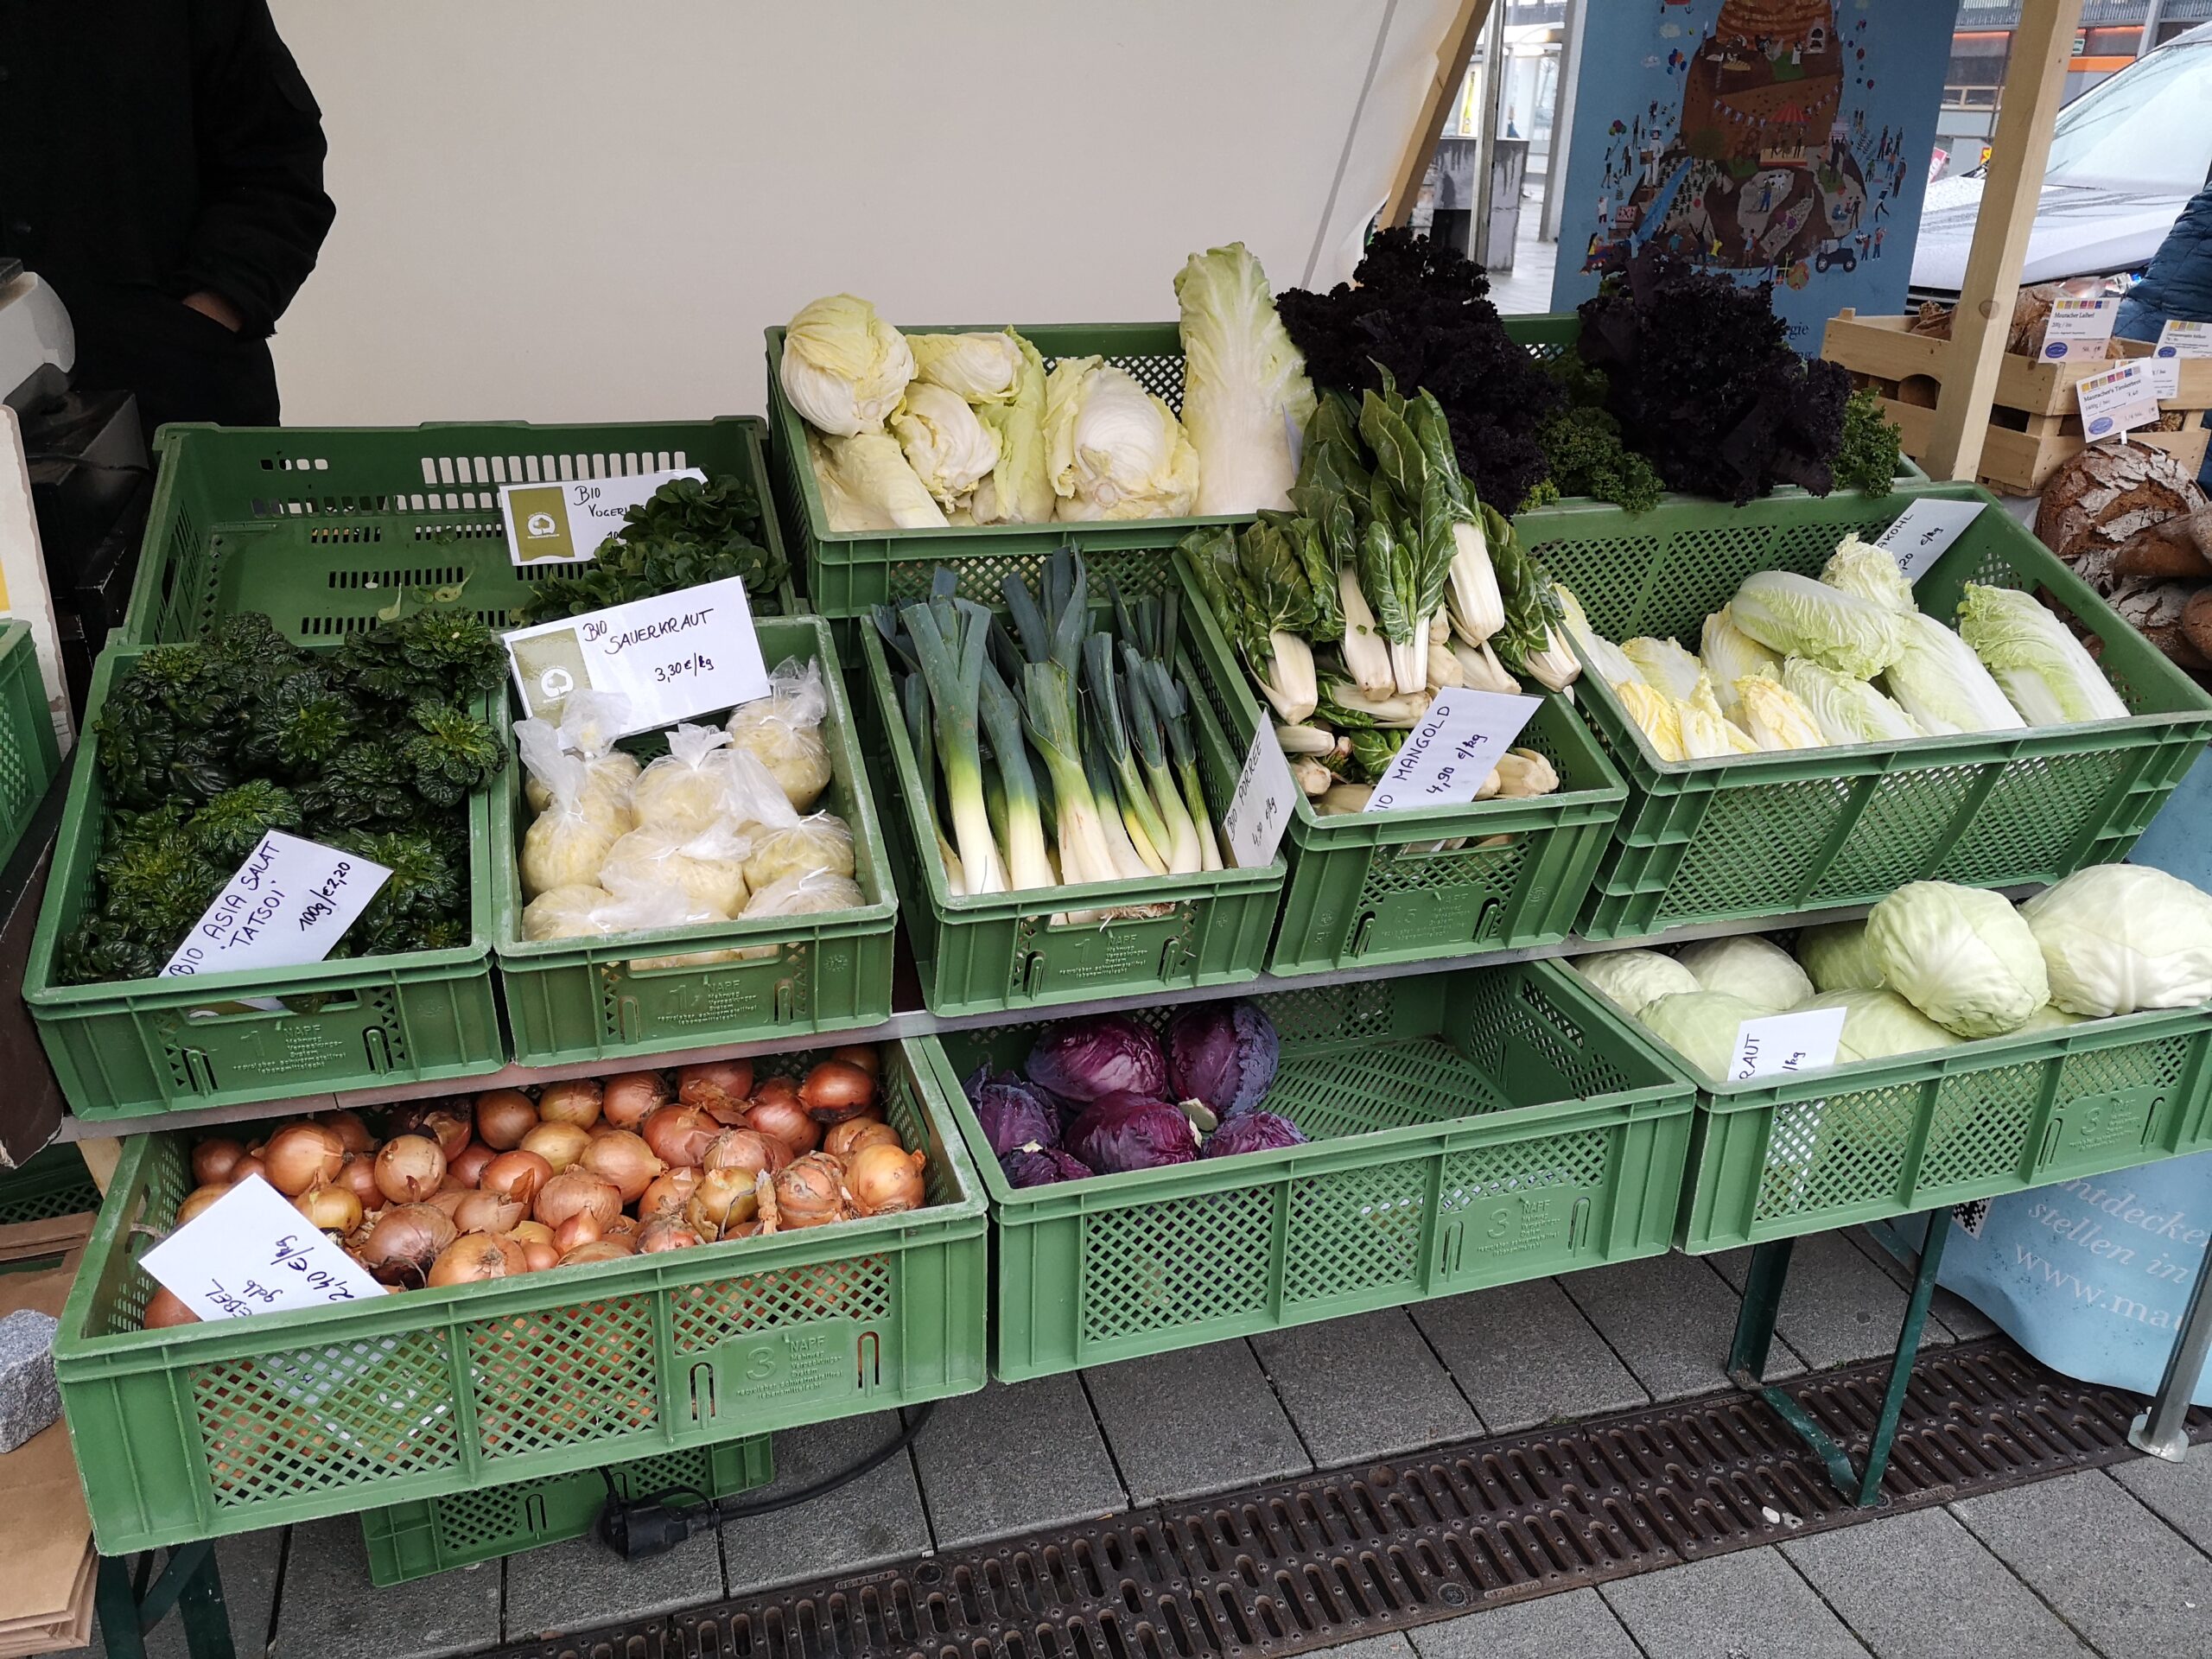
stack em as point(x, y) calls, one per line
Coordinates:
point(1457, 743)
point(673, 656)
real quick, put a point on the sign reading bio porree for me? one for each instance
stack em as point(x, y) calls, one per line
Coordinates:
point(564, 523)
point(1457, 743)
point(673, 656)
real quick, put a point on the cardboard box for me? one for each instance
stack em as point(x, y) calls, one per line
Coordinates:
point(46, 1536)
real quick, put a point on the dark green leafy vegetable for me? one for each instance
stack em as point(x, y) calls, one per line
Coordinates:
point(231, 825)
point(1584, 449)
point(1869, 460)
point(687, 533)
point(451, 754)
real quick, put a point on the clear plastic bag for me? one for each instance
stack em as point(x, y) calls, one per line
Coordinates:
point(709, 867)
point(783, 731)
point(820, 840)
point(590, 723)
point(566, 842)
point(581, 910)
point(666, 906)
point(798, 895)
point(691, 787)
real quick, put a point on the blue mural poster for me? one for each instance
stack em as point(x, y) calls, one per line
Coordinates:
point(1778, 140)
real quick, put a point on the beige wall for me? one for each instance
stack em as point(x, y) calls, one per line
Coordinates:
point(570, 210)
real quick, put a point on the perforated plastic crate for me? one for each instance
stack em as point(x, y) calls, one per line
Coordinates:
point(202, 1430)
point(1857, 1143)
point(125, 1048)
point(1374, 887)
point(1468, 1128)
point(29, 756)
point(1760, 835)
point(584, 999)
point(976, 953)
point(436, 1534)
point(54, 1182)
point(322, 527)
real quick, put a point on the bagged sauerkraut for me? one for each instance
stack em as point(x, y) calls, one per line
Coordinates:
point(581, 910)
point(783, 731)
point(566, 842)
point(691, 787)
point(799, 895)
point(590, 723)
point(821, 841)
point(708, 866)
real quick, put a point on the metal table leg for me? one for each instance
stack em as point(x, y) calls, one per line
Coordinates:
point(2160, 1431)
point(1747, 1357)
point(132, 1605)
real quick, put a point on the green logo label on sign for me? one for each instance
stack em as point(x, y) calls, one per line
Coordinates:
point(539, 519)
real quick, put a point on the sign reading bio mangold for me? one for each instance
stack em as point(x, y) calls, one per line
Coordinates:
point(1457, 743)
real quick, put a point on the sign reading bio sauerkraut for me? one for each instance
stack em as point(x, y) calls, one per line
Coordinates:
point(673, 656)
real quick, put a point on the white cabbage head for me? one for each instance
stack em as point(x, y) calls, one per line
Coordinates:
point(1961, 955)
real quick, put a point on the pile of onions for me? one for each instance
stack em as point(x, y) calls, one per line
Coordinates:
point(456, 1192)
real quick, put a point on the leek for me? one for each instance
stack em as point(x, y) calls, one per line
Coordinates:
point(1147, 723)
point(1140, 814)
point(952, 668)
point(1023, 832)
point(1128, 864)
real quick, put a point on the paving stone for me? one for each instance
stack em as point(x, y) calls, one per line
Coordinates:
point(1961, 1317)
point(1392, 1646)
point(1745, 1606)
point(1837, 1306)
point(875, 1519)
point(1014, 1459)
point(1364, 1388)
point(331, 1610)
point(1670, 1318)
point(581, 1584)
point(2124, 1579)
point(2179, 1493)
point(1201, 1421)
point(1523, 1355)
point(1918, 1586)
point(1574, 1626)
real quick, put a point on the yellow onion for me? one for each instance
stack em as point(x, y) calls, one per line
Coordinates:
point(447, 1201)
point(468, 1168)
point(679, 1135)
point(410, 1169)
point(623, 1226)
point(810, 1193)
point(781, 1115)
point(747, 1149)
point(520, 1174)
point(247, 1166)
point(443, 1121)
point(834, 1091)
point(558, 1144)
point(574, 1102)
point(404, 1240)
point(164, 1309)
point(725, 1197)
point(360, 1175)
point(538, 1255)
point(333, 1209)
point(503, 1117)
point(525, 1232)
point(213, 1160)
point(669, 1191)
point(353, 1133)
point(624, 1159)
point(715, 1084)
point(577, 1192)
point(847, 1138)
point(474, 1257)
point(864, 1055)
point(488, 1212)
point(666, 1233)
point(633, 1096)
point(197, 1200)
point(582, 1228)
point(302, 1156)
point(885, 1180)
point(600, 1249)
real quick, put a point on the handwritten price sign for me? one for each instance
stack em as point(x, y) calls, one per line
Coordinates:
point(1457, 743)
point(289, 903)
point(673, 656)
point(250, 1252)
point(1920, 535)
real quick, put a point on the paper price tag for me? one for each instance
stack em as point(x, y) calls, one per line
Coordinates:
point(1919, 535)
point(2116, 401)
point(2079, 331)
point(289, 903)
point(2165, 375)
point(2176, 340)
point(1458, 742)
point(564, 523)
point(1803, 1041)
point(673, 656)
point(1260, 809)
point(250, 1252)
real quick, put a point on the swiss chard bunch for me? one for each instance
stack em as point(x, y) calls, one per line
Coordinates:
point(688, 532)
point(1705, 383)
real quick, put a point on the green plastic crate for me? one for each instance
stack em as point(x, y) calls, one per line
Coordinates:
point(1758, 835)
point(127, 1048)
point(978, 954)
point(1468, 1130)
point(436, 1534)
point(54, 1182)
point(1366, 887)
point(322, 527)
point(29, 756)
point(1772, 1159)
point(204, 1430)
point(582, 1000)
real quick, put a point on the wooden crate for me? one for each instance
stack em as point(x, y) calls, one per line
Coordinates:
point(2034, 426)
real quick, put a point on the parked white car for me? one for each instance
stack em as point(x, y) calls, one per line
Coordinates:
point(2126, 157)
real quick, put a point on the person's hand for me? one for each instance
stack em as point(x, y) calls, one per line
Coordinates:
point(212, 305)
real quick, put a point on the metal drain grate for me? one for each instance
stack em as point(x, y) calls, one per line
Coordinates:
point(1331, 1558)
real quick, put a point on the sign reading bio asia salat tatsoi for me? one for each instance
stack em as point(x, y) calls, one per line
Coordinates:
point(250, 1252)
point(2116, 402)
point(564, 523)
point(1778, 1045)
point(673, 656)
point(289, 903)
point(1457, 743)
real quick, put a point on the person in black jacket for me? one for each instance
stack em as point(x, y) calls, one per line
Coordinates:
point(161, 165)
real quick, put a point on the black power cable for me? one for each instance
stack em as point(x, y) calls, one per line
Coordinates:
point(638, 1527)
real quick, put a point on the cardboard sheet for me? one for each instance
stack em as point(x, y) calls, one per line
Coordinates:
point(46, 1536)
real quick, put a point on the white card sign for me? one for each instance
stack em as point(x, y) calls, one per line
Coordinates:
point(1918, 537)
point(673, 656)
point(2117, 401)
point(564, 523)
point(250, 1252)
point(1458, 743)
point(1259, 810)
point(289, 903)
point(2079, 331)
point(2176, 340)
point(1804, 1039)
